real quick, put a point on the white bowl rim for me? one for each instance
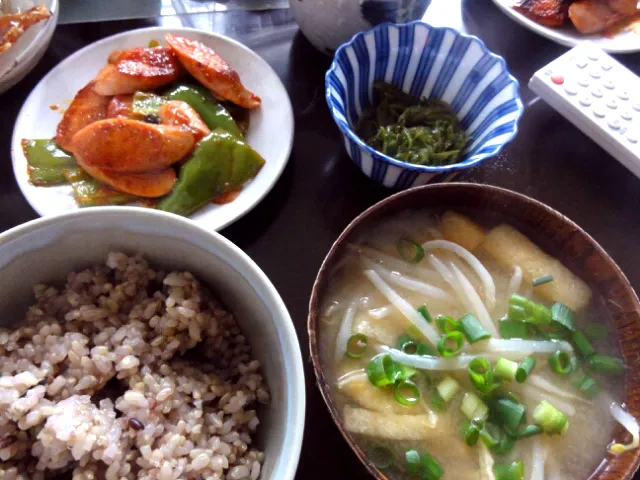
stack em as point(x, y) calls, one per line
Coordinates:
point(410, 166)
point(287, 462)
point(30, 50)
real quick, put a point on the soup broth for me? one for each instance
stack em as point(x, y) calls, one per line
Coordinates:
point(398, 418)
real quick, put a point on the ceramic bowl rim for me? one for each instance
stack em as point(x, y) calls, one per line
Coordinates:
point(287, 461)
point(319, 286)
point(347, 130)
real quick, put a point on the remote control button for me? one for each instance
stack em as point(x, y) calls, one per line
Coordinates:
point(596, 92)
point(583, 82)
point(585, 101)
point(595, 73)
point(548, 72)
point(614, 124)
point(636, 107)
point(623, 95)
point(609, 85)
point(626, 115)
point(606, 66)
point(598, 111)
point(612, 104)
point(581, 63)
point(632, 138)
point(570, 89)
point(557, 79)
point(593, 56)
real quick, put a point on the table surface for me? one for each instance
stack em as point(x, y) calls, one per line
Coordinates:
point(321, 190)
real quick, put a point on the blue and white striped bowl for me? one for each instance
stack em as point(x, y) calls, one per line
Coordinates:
point(431, 62)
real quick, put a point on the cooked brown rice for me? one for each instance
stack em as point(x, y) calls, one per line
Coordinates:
point(128, 372)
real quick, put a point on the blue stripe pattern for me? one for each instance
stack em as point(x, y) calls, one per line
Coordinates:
point(483, 93)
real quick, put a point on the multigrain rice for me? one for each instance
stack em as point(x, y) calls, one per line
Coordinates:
point(128, 372)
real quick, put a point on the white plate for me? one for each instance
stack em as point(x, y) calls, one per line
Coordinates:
point(270, 129)
point(625, 41)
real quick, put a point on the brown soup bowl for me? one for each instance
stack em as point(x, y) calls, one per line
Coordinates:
point(552, 232)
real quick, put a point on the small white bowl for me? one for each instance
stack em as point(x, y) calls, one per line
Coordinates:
point(45, 250)
point(23, 56)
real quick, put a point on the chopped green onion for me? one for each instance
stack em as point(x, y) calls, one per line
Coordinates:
point(513, 471)
point(450, 344)
point(554, 335)
point(404, 372)
point(438, 403)
point(508, 414)
point(473, 408)
point(530, 431)
point(407, 344)
point(524, 310)
point(587, 385)
point(491, 434)
point(562, 316)
point(595, 331)
point(542, 280)
point(382, 370)
point(447, 324)
point(382, 457)
point(426, 350)
point(422, 310)
point(357, 345)
point(472, 328)
point(406, 392)
point(470, 432)
point(505, 445)
point(432, 470)
point(517, 313)
point(410, 251)
point(505, 369)
point(605, 364)
point(414, 462)
point(552, 420)
point(582, 344)
point(514, 329)
point(447, 389)
point(525, 368)
point(481, 375)
point(560, 362)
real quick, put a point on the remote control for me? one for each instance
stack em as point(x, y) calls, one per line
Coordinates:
point(599, 96)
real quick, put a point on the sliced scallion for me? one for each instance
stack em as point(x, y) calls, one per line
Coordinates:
point(450, 344)
point(437, 402)
point(473, 408)
point(505, 445)
point(481, 375)
point(357, 345)
point(447, 389)
point(605, 364)
point(406, 392)
point(407, 344)
point(552, 420)
point(382, 457)
point(382, 370)
point(472, 328)
point(514, 329)
point(529, 431)
point(410, 251)
point(447, 324)
point(512, 471)
point(562, 316)
point(525, 367)
point(505, 369)
point(432, 470)
point(587, 385)
point(560, 362)
point(508, 414)
point(582, 344)
point(522, 309)
point(542, 280)
point(470, 432)
point(422, 310)
point(490, 434)
point(414, 462)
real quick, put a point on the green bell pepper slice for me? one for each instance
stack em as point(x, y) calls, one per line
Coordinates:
point(220, 163)
point(89, 192)
point(201, 100)
point(47, 162)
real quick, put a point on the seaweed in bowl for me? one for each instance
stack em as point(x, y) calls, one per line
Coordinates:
point(416, 130)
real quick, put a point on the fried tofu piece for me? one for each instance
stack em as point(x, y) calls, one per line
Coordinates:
point(510, 247)
point(377, 399)
point(462, 230)
point(388, 425)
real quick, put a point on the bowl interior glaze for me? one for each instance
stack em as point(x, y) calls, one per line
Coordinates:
point(549, 229)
